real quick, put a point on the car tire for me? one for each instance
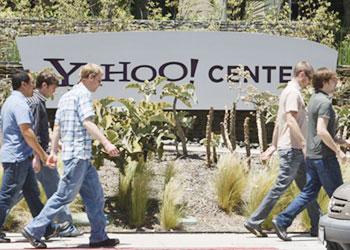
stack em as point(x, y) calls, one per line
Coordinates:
point(333, 246)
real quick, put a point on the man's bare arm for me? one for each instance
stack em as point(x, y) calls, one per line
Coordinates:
point(55, 139)
point(32, 141)
point(294, 127)
point(327, 139)
point(325, 136)
point(95, 133)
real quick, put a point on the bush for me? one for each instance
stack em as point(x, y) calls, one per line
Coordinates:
point(344, 51)
point(134, 189)
point(230, 181)
point(171, 210)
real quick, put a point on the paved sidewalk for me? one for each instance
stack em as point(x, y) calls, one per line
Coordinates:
point(213, 241)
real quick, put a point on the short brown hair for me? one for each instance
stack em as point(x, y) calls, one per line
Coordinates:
point(48, 77)
point(305, 67)
point(90, 69)
point(321, 76)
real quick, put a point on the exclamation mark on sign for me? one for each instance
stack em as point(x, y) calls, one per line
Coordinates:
point(194, 63)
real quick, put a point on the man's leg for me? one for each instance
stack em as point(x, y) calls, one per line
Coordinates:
point(49, 179)
point(289, 164)
point(31, 192)
point(330, 174)
point(12, 182)
point(92, 194)
point(308, 194)
point(68, 188)
point(313, 208)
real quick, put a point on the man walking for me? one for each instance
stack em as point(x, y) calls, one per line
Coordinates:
point(322, 151)
point(46, 84)
point(16, 151)
point(289, 138)
point(74, 125)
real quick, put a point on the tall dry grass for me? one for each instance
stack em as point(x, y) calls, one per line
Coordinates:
point(230, 181)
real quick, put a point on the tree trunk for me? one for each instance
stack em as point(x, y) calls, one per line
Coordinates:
point(261, 124)
point(247, 140)
point(224, 131)
point(179, 131)
point(215, 155)
point(233, 126)
point(140, 9)
point(224, 10)
point(346, 16)
point(208, 135)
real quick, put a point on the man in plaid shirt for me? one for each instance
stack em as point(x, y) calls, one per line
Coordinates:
point(74, 126)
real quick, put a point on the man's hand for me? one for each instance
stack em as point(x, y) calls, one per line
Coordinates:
point(36, 164)
point(111, 149)
point(341, 156)
point(304, 152)
point(347, 143)
point(51, 161)
point(266, 155)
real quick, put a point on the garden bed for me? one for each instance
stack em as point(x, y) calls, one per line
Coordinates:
point(198, 183)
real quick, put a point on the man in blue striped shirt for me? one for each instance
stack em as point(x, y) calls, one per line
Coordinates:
point(75, 127)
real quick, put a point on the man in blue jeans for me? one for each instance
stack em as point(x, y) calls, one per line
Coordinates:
point(74, 125)
point(323, 168)
point(289, 138)
point(16, 152)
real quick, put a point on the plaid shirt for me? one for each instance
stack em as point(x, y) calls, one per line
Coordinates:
point(73, 108)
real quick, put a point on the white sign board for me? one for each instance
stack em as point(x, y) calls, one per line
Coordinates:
point(204, 58)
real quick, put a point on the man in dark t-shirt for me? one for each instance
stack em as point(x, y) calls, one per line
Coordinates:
point(320, 107)
point(322, 151)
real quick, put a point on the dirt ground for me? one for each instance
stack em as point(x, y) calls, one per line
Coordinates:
point(197, 182)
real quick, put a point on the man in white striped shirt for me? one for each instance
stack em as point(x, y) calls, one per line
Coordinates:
point(46, 84)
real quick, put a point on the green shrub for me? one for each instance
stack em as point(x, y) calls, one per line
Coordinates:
point(230, 181)
point(134, 188)
point(171, 210)
point(344, 51)
point(170, 172)
point(140, 189)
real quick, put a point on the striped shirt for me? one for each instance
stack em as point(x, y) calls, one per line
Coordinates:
point(37, 104)
point(73, 108)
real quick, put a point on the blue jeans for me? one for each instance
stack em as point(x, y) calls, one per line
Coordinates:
point(49, 179)
point(322, 172)
point(79, 176)
point(292, 167)
point(19, 177)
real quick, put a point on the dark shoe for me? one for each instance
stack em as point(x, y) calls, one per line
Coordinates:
point(3, 238)
point(314, 233)
point(255, 229)
point(70, 231)
point(105, 243)
point(280, 231)
point(53, 230)
point(34, 242)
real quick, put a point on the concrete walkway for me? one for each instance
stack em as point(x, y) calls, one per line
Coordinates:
point(226, 241)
